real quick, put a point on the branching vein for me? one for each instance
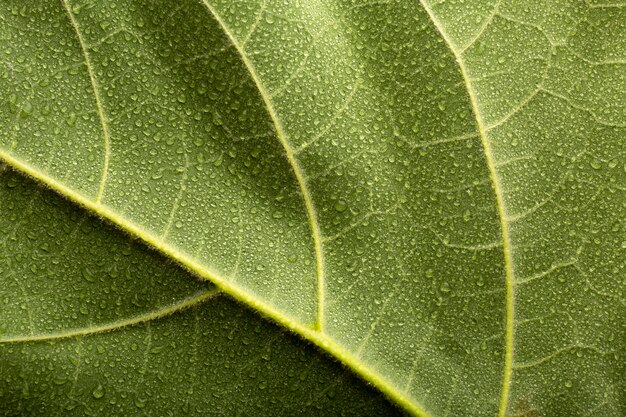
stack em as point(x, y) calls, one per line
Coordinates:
point(504, 226)
point(300, 177)
point(100, 108)
point(151, 315)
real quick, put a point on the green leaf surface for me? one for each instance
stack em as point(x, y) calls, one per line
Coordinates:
point(96, 324)
point(432, 192)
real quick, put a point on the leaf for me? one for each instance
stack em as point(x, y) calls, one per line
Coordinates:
point(427, 191)
point(93, 323)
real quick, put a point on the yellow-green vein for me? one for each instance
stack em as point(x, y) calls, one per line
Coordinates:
point(142, 318)
point(506, 239)
point(99, 107)
point(299, 173)
point(313, 335)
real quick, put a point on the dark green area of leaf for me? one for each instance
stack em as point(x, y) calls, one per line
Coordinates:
point(67, 276)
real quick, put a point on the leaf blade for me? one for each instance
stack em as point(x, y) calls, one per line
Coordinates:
point(398, 215)
point(132, 333)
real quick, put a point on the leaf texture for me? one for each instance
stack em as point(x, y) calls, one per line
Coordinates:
point(96, 324)
point(432, 192)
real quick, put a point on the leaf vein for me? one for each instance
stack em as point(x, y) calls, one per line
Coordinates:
point(142, 318)
point(502, 214)
point(299, 173)
point(104, 124)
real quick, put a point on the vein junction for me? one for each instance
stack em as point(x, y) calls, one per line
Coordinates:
point(299, 173)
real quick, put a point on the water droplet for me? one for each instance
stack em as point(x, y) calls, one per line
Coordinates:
point(140, 402)
point(71, 119)
point(27, 110)
point(341, 206)
point(13, 103)
point(98, 392)
point(12, 183)
point(88, 275)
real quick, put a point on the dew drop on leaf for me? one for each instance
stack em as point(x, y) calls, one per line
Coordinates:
point(98, 392)
point(341, 206)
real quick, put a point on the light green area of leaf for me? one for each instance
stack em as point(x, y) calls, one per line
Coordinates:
point(433, 192)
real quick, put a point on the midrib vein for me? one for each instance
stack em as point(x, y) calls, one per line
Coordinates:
point(99, 107)
point(504, 226)
point(313, 335)
point(142, 318)
point(299, 173)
